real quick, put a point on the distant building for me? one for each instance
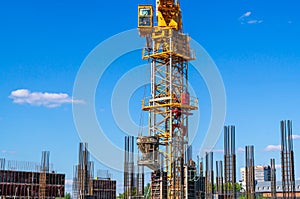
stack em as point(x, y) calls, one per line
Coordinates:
point(27, 185)
point(28, 180)
point(262, 173)
point(104, 188)
point(264, 189)
point(85, 186)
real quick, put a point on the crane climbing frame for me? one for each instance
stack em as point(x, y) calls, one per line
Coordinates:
point(170, 104)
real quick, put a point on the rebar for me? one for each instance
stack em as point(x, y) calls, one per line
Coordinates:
point(249, 173)
point(273, 179)
point(229, 162)
point(287, 160)
point(83, 174)
point(219, 179)
point(129, 167)
point(209, 185)
point(2, 163)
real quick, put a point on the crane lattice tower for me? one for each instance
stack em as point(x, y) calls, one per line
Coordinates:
point(170, 104)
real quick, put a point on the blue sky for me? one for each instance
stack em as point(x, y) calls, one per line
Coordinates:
point(255, 45)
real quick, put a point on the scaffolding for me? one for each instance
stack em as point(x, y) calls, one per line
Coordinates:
point(287, 160)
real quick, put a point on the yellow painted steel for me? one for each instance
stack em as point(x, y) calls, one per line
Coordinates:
point(170, 105)
point(145, 16)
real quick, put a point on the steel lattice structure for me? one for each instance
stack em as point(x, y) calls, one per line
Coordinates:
point(170, 104)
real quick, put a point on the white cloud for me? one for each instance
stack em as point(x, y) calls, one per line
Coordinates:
point(247, 19)
point(295, 137)
point(69, 182)
point(8, 152)
point(247, 14)
point(49, 100)
point(273, 148)
point(278, 166)
point(218, 150)
point(254, 21)
point(68, 185)
point(240, 150)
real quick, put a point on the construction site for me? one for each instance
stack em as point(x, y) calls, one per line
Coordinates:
point(165, 150)
point(164, 167)
point(209, 179)
point(30, 180)
point(85, 184)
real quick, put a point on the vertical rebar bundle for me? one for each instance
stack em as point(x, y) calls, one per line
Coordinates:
point(198, 165)
point(15, 165)
point(140, 177)
point(287, 160)
point(45, 161)
point(129, 167)
point(219, 179)
point(273, 179)
point(200, 182)
point(43, 175)
point(2, 163)
point(83, 174)
point(249, 173)
point(209, 185)
point(201, 167)
point(188, 154)
point(190, 173)
point(104, 174)
point(140, 181)
point(229, 162)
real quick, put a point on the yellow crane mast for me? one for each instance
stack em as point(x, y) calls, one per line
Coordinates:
point(170, 104)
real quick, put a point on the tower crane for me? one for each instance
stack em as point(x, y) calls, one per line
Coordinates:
point(170, 104)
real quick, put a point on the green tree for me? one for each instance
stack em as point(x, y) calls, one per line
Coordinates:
point(260, 197)
point(121, 196)
point(67, 196)
point(229, 187)
point(147, 191)
point(238, 186)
